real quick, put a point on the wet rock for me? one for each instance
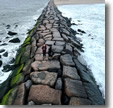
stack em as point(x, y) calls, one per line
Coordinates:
point(68, 49)
point(12, 61)
point(74, 88)
point(5, 54)
point(79, 30)
point(28, 84)
point(26, 55)
point(16, 80)
point(77, 51)
point(11, 33)
point(79, 101)
point(67, 60)
point(3, 44)
point(94, 94)
point(16, 26)
point(66, 32)
point(82, 61)
point(33, 42)
point(2, 50)
point(42, 94)
point(70, 72)
point(44, 77)
point(79, 66)
point(0, 63)
point(33, 50)
point(86, 77)
point(8, 26)
point(65, 37)
point(20, 97)
point(27, 66)
point(9, 97)
point(58, 85)
point(57, 49)
point(15, 40)
point(8, 67)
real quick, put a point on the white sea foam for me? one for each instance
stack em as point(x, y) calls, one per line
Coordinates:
point(91, 19)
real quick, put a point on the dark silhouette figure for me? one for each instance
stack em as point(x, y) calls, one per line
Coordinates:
point(50, 53)
point(44, 50)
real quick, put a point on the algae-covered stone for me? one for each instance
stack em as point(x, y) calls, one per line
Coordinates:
point(4, 87)
point(26, 55)
point(19, 55)
point(25, 44)
point(17, 80)
point(9, 98)
point(17, 70)
point(28, 39)
point(27, 66)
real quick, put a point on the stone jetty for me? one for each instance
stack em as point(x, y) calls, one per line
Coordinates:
point(60, 79)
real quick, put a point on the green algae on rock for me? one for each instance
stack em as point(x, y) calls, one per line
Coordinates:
point(8, 99)
point(17, 80)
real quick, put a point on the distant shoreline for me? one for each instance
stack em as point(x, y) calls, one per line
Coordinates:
point(71, 2)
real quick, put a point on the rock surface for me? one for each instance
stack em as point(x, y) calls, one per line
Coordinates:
point(67, 60)
point(70, 72)
point(79, 101)
point(60, 78)
point(42, 94)
point(20, 98)
point(15, 40)
point(44, 77)
point(57, 49)
point(74, 88)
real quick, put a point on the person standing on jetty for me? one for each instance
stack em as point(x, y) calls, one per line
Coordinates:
point(44, 50)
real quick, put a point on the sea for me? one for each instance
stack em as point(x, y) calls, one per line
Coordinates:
point(20, 16)
point(91, 19)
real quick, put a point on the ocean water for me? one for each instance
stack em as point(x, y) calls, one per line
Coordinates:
point(91, 19)
point(21, 15)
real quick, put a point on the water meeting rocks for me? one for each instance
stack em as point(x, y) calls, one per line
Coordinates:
point(60, 79)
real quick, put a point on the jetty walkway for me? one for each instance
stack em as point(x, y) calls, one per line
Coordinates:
point(62, 79)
